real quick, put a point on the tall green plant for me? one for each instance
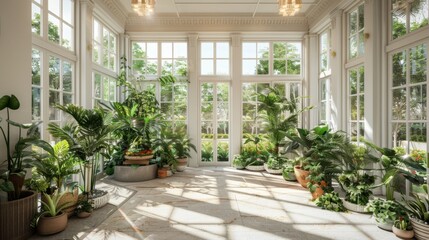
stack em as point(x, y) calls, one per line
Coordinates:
point(87, 136)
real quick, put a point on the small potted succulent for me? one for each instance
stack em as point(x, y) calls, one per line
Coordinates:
point(84, 208)
point(402, 228)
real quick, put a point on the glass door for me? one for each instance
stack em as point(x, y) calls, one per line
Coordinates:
point(215, 123)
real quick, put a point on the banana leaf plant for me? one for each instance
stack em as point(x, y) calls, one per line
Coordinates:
point(21, 154)
point(394, 165)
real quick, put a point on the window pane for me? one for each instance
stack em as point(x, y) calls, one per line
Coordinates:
point(249, 67)
point(418, 67)
point(353, 48)
point(222, 50)
point(353, 108)
point(36, 104)
point(54, 73)
point(222, 67)
point(180, 67)
point(361, 17)
point(399, 23)
point(399, 134)
point(263, 50)
point(399, 104)
point(67, 40)
point(180, 111)
point(419, 14)
point(53, 29)
point(418, 135)
point(180, 50)
point(35, 67)
point(54, 6)
point(294, 67)
point(279, 50)
point(152, 50)
point(207, 50)
point(112, 90)
point(167, 66)
point(353, 22)
point(353, 81)
point(361, 43)
point(222, 112)
point(167, 109)
point(362, 80)
point(207, 111)
point(418, 102)
point(294, 50)
point(207, 151)
point(139, 50)
point(68, 11)
point(249, 50)
point(152, 67)
point(262, 67)
point(223, 151)
point(54, 98)
point(279, 67)
point(399, 69)
point(167, 50)
point(67, 99)
point(207, 67)
point(97, 85)
point(67, 77)
point(167, 93)
point(36, 19)
point(361, 107)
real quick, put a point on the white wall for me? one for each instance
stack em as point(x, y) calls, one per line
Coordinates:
point(15, 59)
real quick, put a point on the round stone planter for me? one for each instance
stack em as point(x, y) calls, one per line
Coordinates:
point(135, 174)
point(255, 168)
point(182, 163)
point(354, 207)
point(16, 216)
point(421, 230)
point(404, 234)
point(272, 171)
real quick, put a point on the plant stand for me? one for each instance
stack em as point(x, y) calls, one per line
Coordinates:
point(16, 216)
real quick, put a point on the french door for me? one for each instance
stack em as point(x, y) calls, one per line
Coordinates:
point(214, 122)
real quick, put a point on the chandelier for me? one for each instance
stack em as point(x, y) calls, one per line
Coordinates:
point(143, 7)
point(289, 7)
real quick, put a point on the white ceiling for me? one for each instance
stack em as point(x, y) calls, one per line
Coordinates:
point(248, 8)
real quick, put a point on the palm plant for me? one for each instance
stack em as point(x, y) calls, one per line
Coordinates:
point(183, 146)
point(87, 136)
point(274, 107)
point(164, 150)
point(57, 166)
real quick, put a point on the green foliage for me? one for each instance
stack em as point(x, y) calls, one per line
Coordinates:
point(84, 205)
point(51, 205)
point(164, 151)
point(207, 151)
point(358, 186)
point(183, 146)
point(384, 210)
point(239, 162)
point(36, 182)
point(223, 152)
point(418, 207)
point(403, 223)
point(330, 201)
point(275, 162)
point(58, 166)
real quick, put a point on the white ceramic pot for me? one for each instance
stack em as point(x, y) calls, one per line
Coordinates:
point(385, 225)
point(255, 168)
point(354, 207)
point(272, 171)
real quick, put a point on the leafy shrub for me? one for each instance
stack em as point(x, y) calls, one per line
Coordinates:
point(331, 201)
point(384, 210)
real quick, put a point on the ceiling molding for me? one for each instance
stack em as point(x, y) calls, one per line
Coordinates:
point(213, 24)
point(320, 10)
point(116, 9)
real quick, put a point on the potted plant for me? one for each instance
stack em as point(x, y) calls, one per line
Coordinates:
point(164, 152)
point(288, 172)
point(87, 136)
point(385, 212)
point(402, 228)
point(239, 162)
point(330, 201)
point(84, 207)
point(54, 169)
point(182, 147)
point(52, 219)
point(21, 206)
point(274, 165)
point(418, 211)
point(358, 187)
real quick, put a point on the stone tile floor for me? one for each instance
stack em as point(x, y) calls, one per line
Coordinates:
point(224, 203)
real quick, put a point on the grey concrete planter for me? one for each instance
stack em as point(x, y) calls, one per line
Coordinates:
point(135, 174)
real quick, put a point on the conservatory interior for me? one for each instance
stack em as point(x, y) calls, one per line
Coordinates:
point(214, 119)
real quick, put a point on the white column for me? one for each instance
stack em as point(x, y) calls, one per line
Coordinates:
point(15, 62)
point(338, 106)
point(84, 79)
point(193, 98)
point(311, 79)
point(235, 116)
point(373, 54)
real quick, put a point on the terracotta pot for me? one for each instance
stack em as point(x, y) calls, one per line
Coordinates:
point(50, 225)
point(319, 190)
point(421, 230)
point(139, 160)
point(70, 199)
point(181, 164)
point(301, 176)
point(84, 214)
point(404, 234)
point(162, 172)
point(16, 216)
